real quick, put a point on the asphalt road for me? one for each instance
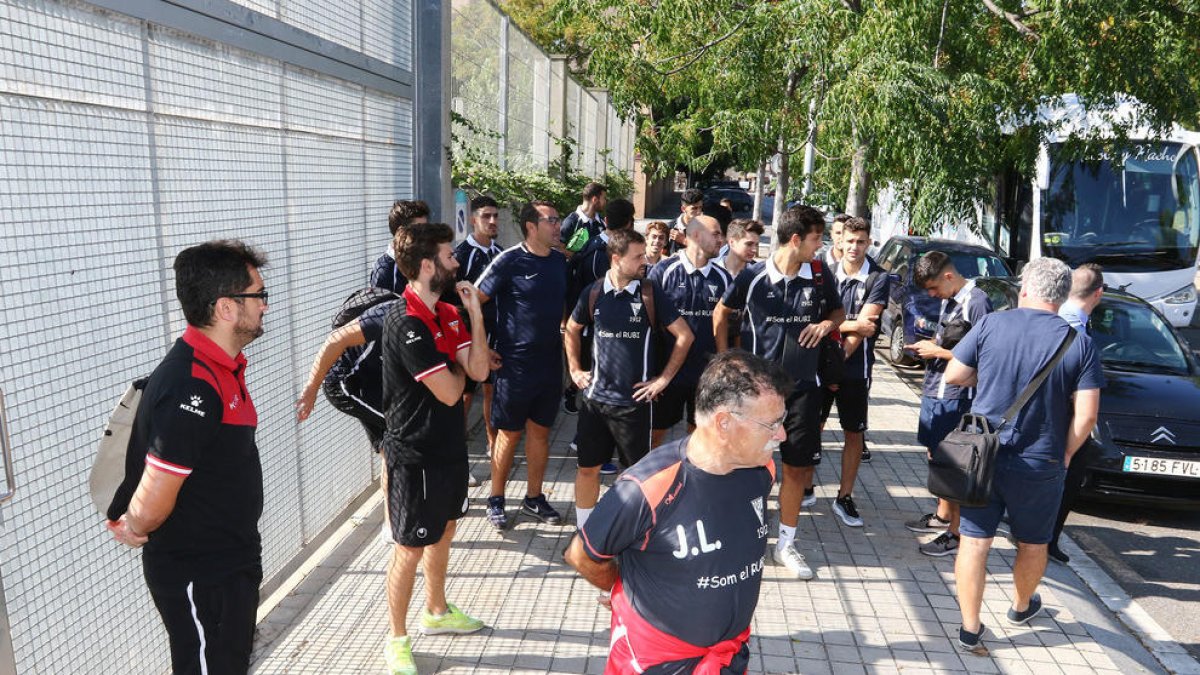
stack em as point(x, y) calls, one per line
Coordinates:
point(1154, 554)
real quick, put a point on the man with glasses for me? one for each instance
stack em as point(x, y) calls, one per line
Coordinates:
point(678, 545)
point(528, 286)
point(196, 423)
point(474, 254)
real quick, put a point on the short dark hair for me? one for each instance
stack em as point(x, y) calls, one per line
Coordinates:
point(692, 196)
point(419, 242)
point(856, 224)
point(483, 201)
point(619, 240)
point(734, 376)
point(742, 227)
point(722, 215)
point(930, 266)
point(593, 190)
point(658, 225)
point(404, 211)
point(841, 218)
point(618, 214)
point(529, 214)
point(1086, 280)
point(799, 220)
point(210, 271)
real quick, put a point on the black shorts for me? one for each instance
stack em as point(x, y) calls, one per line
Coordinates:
point(671, 404)
point(603, 428)
point(802, 447)
point(421, 500)
point(220, 615)
point(851, 398)
point(371, 420)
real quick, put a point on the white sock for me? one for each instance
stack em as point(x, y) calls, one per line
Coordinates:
point(582, 515)
point(786, 536)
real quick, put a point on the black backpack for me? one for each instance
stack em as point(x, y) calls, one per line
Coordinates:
point(359, 302)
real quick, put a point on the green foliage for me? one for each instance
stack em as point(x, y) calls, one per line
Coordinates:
point(476, 170)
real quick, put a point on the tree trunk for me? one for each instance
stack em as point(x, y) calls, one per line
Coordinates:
point(860, 182)
point(759, 189)
point(810, 149)
point(781, 183)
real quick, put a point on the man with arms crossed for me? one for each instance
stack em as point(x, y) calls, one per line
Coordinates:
point(1000, 356)
point(864, 290)
point(943, 403)
point(195, 425)
point(679, 540)
point(427, 356)
point(790, 304)
point(528, 284)
point(620, 385)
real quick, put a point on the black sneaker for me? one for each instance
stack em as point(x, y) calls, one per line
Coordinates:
point(570, 405)
point(495, 513)
point(1035, 606)
point(972, 643)
point(1057, 555)
point(866, 454)
point(945, 544)
point(539, 508)
point(846, 510)
point(928, 524)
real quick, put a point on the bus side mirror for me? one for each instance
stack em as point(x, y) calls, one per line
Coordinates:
point(1042, 167)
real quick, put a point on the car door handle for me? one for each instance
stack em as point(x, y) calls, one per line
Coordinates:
point(10, 481)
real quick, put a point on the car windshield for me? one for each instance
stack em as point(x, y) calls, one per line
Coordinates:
point(1131, 336)
point(973, 265)
point(1139, 214)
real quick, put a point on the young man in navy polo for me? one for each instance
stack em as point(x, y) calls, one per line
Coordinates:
point(586, 218)
point(528, 284)
point(427, 356)
point(943, 404)
point(404, 212)
point(622, 381)
point(195, 425)
point(863, 287)
point(789, 304)
point(691, 204)
point(474, 254)
point(694, 283)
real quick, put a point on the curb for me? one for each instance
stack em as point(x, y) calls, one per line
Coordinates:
point(1169, 653)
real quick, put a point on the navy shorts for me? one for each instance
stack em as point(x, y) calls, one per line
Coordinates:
point(521, 397)
point(671, 405)
point(939, 416)
point(1030, 490)
point(604, 428)
point(851, 397)
point(802, 447)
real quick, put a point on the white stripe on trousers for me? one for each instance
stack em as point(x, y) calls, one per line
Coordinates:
point(199, 630)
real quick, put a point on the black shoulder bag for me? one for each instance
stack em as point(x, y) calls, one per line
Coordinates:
point(962, 465)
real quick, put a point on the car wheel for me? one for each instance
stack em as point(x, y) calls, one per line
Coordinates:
point(896, 353)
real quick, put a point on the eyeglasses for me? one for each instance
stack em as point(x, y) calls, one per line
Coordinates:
point(771, 428)
point(261, 295)
point(553, 220)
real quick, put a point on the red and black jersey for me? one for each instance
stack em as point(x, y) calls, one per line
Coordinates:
point(196, 420)
point(417, 343)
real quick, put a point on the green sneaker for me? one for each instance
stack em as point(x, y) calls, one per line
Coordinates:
point(398, 655)
point(452, 622)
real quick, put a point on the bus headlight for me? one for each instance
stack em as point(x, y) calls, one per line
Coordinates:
point(1183, 296)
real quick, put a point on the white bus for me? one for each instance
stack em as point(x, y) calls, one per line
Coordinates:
point(1138, 215)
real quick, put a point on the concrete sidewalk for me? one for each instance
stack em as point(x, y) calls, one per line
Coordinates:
point(876, 605)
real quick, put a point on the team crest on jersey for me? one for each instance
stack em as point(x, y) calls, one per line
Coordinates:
point(757, 505)
point(637, 310)
point(712, 288)
point(193, 405)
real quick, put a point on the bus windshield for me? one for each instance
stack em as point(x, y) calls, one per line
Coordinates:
point(1139, 214)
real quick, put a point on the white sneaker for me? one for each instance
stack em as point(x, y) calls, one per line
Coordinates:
point(385, 533)
point(472, 481)
point(790, 558)
point(810, 499)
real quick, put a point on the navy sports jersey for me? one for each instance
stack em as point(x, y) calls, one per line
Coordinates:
point(386, 275)
point(777, 309)
point(677, 225)
point(528, 291)
point(623, 344)
point(691, 546)
point(694, 294)
point(576, 220)
point(473, 258)
point(972, 303)
point(421, 430)
point(869, 287)
point(358, 372)
point(1007, 349)
point(196, 420)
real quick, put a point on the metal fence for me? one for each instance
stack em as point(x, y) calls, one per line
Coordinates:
point(128, 131)
point(502, 82)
